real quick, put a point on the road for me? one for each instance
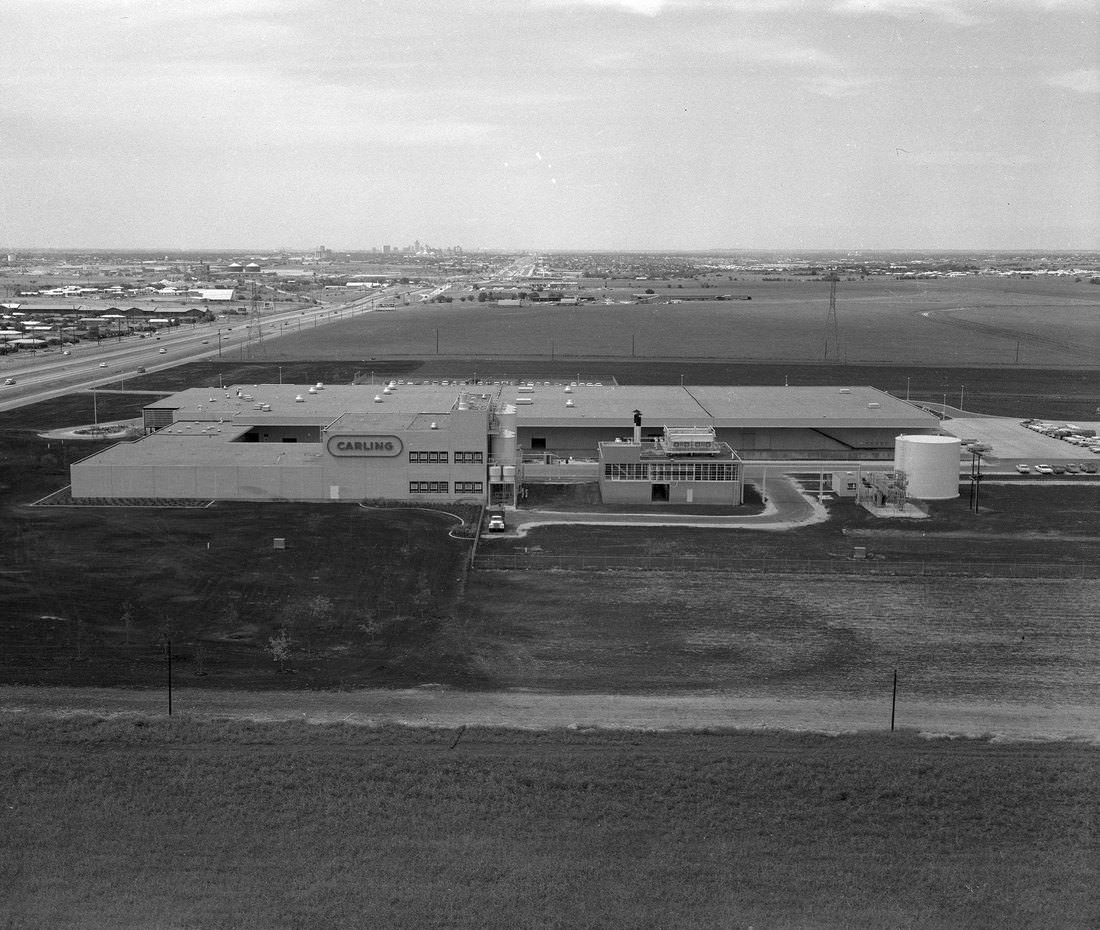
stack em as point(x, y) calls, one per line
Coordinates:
point(435, 706)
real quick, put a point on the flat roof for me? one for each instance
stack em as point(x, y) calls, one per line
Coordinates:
point(560, 405)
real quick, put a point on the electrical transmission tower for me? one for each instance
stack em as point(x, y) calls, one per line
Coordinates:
point(832, 330)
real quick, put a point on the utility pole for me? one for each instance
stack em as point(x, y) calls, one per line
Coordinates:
point(168, 656)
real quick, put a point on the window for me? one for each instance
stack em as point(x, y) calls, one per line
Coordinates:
point(429, 487)
point(469, 487)
point(428, 458)
point(469, 458)
point(671, 471)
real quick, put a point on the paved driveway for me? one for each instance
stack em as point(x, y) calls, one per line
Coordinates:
point(788, 506)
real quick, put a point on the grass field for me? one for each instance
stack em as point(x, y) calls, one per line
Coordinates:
point(135, 823)
point(958, 323)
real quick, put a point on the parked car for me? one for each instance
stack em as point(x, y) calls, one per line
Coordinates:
point(1073, 468)
point(1058, 469)
point(1089, 467)
point(1024, 469)
point(496, 523)
point(1044, 469)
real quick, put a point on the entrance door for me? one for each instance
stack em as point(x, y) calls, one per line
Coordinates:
point(660, 493)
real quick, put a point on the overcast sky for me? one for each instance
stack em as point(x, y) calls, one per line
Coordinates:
point(551, 124)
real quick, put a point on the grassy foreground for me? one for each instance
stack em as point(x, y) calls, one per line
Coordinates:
point(190, 824)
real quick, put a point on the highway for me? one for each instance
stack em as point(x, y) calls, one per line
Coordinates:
point(45, 374)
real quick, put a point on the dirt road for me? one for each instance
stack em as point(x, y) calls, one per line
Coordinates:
point(439, 707)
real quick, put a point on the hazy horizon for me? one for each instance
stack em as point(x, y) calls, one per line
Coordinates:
point(552, 125)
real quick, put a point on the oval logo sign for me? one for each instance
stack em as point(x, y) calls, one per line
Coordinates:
point(364, 446)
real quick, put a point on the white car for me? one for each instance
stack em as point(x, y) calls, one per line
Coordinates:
point(1024, 469)
point(10, 381)
point(102, 364)
point(163, 351)
point(496, 523)
point(1044, 469)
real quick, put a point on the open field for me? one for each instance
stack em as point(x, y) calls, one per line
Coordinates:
point(961, 322)
point(143, 823)
point(378, 598)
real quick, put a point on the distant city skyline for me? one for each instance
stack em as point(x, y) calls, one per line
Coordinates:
point(552, 125)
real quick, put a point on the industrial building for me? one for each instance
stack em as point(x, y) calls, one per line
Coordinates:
point(448, 441)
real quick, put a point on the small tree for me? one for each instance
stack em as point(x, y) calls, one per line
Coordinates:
point(278, 647)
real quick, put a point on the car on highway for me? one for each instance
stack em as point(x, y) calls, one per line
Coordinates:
point(102, 364)
point(496, 523)
point(10, 381)
point(1024, 469)
point(162, 351)
point(206, 342)
point(1044, 469)
point(141, 370)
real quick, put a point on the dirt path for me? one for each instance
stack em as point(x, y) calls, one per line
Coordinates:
point(439, 707)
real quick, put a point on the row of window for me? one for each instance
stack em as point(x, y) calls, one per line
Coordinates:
point(429, 487)
point(444, 487)
point(441, 458)
point(671, 471)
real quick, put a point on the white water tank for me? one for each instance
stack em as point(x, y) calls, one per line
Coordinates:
point(930, 464)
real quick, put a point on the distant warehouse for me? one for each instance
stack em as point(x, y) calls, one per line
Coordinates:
point(483, 442)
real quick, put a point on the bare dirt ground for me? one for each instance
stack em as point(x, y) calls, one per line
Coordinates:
point(440, 707)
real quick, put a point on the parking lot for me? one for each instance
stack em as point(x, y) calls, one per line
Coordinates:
point(1011, 443)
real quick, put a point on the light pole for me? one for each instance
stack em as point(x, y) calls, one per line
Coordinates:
point(907, 389)
point(219, 343)
point(280, 374)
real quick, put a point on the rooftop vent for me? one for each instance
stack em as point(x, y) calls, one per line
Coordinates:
point(569, 403)
point(874, 404)
point(377, 399)
point(313, 390)
point(434, 425)
point(845, 390)
point(320, 385)
point(568, 389)
point(299, 399)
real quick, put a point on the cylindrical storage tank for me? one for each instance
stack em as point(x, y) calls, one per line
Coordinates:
point(931, 466)
point(901, 454)
point(494, 473)
point(509, 474)
point(504, 448)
